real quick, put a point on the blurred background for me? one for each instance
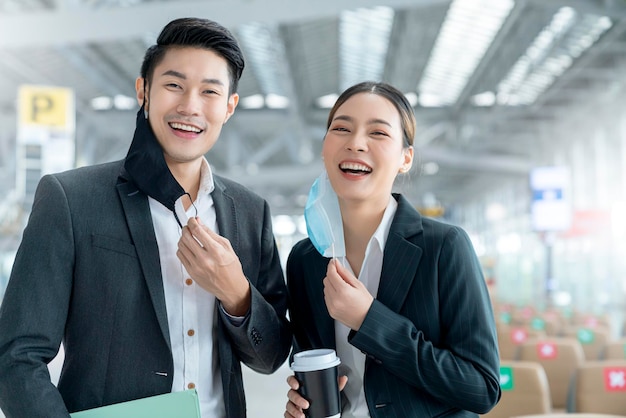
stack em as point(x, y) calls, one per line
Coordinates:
point(520, 105)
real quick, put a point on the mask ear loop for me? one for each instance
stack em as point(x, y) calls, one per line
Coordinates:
point(343, 259)
point(192, 204)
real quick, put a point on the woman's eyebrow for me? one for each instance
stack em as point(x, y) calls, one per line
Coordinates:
point(378, 121)
point(374, 121)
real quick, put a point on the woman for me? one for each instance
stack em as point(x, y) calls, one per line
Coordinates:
point(405, 305)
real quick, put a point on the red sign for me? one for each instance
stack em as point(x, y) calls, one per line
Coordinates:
point(615, 379)
point(589, 222)
point(546, 351)
point(519, 335)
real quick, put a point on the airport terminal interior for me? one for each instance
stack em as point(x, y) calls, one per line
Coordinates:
point(521, 138)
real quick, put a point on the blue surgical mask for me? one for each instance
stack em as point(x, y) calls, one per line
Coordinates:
point(323, 218)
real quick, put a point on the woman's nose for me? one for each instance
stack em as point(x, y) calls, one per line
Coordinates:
point(357, 142)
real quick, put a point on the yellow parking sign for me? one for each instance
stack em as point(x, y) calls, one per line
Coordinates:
point(43, 106)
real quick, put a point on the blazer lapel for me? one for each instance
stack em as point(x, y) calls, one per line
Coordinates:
point(324, 323)
point(402, 256)
point(139, 222)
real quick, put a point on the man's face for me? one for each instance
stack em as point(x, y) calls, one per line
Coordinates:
point(188, 102)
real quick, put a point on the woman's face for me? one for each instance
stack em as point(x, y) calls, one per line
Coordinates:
point(363, 148)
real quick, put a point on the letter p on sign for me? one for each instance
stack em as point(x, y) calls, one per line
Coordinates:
point(46, 107)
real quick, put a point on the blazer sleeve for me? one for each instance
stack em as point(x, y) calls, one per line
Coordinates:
point(263, 341)
point(458, 365)
point(35, 306)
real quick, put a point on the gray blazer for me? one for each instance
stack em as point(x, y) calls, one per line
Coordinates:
point(87, 273)
point(429, 337)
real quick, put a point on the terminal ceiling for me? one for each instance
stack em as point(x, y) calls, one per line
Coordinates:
point(517, 78)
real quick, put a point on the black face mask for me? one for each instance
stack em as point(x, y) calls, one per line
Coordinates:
point(146, 166)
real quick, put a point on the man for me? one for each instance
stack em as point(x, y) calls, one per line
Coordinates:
point(156, 275)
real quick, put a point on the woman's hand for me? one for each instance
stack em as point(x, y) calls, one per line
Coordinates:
point(297, 404)
point(347, 299)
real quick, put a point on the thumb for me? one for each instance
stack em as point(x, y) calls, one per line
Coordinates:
point(344, 273)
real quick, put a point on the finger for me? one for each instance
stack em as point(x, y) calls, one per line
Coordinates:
point(189, 241)
point(297, 399)
point(204, 235)
point(293, 382)
point(342, 381)
point(211, 237)
point(188, 246)
point(332, 266)
point(183, 257)
point(292, 411)
point(345, 274)
point(332, 279)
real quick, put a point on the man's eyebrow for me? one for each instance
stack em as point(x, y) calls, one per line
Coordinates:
point(175, 74)
point(182, 76)
point(369, 122)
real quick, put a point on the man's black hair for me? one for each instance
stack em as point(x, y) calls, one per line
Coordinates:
point(198, 33)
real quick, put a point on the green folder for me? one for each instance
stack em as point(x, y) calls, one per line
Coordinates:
point(170, 405)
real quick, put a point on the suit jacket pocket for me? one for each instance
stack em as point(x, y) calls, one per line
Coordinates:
point(113, 244)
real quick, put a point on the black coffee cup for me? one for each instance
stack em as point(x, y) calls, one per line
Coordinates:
point(316, 371)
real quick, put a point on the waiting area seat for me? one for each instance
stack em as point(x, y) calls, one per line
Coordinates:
point(510, 337)
point(593, 340)
point(599, 387)
point(615, 350)
point(560, 357)
point(524, 390)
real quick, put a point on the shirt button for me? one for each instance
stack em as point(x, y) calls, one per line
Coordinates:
point(188, 282)
point(191, 385)
point(191, 332)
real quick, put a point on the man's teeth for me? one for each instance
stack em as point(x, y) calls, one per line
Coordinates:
point(185, 127)
point(355, 167)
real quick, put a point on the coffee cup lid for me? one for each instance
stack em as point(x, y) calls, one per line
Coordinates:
point(311, 360)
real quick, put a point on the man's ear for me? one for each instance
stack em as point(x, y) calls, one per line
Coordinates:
point(233, 100)
point(140, 90)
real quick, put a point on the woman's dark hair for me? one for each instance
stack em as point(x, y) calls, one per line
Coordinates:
point(199, 33)
point(395, 96)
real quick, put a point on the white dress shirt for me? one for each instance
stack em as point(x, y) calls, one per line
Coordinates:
point(352, 359)
point(191, 310)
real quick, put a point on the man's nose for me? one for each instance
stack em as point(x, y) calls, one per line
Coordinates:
point(190, 104)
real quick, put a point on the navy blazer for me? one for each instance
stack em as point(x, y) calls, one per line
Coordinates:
point(429, 337)
point(87, 273)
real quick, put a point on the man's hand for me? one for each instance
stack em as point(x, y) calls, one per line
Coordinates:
point(211, 261)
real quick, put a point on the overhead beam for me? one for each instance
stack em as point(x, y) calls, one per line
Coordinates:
point(294, 174)
point(490, 54)
point(81, 25)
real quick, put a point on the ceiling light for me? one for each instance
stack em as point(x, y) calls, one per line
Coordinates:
point(411, 98)
point(431, 100)
point(430, 168)
point(122, 102)
point(327, 101)
point(465, 36)
point(485, 99)
point(101, 103)
point(256, 101)
point(274, 101)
